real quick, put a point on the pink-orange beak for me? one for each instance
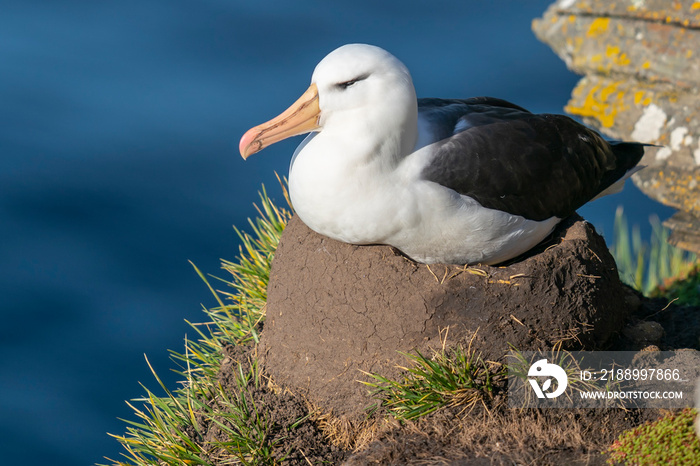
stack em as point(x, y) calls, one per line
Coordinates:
point(302, 117)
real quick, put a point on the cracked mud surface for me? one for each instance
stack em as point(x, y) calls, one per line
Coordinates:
point(335, 310)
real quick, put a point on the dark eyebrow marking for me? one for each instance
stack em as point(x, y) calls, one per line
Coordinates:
point(346, 84)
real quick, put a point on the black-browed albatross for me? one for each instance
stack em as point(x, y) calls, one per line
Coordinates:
point(465, 181)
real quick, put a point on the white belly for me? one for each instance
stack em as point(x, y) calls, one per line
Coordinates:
point(426, 221)
point(456, 229)
point(353, 207)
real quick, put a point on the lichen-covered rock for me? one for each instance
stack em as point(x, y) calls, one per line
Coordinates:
point(335, 310)
point(641, 63)
point(630, 38)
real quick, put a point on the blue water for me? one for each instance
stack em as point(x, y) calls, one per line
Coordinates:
point(119, 126)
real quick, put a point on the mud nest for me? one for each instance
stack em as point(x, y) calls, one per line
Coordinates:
point(335, 310)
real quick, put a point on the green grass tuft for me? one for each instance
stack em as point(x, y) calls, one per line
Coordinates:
point(648, 266)
point(171, 429)
point(453, 377)
point(242, 306)
point(177, 428)
point(682, 289)
point(670, 440)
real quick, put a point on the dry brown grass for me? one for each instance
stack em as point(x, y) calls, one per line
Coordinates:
point(496, 436)
point(354, 434)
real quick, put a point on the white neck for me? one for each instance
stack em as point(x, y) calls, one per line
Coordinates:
point(338, 176)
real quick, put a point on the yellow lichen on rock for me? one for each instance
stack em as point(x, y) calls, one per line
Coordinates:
point(597, 102)
point(617, 57)
point(641, 98)
point(598, 27)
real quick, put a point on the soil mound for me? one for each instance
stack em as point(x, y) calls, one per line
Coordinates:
point(335, 310)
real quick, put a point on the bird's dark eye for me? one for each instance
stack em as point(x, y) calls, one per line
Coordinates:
point(344, 85)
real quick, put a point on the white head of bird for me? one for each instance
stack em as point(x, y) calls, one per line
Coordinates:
point(356, 85)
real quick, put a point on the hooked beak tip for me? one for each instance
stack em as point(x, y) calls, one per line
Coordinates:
point(247, 144)
point(302, 117)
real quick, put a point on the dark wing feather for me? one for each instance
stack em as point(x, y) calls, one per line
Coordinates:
point(535, 166)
